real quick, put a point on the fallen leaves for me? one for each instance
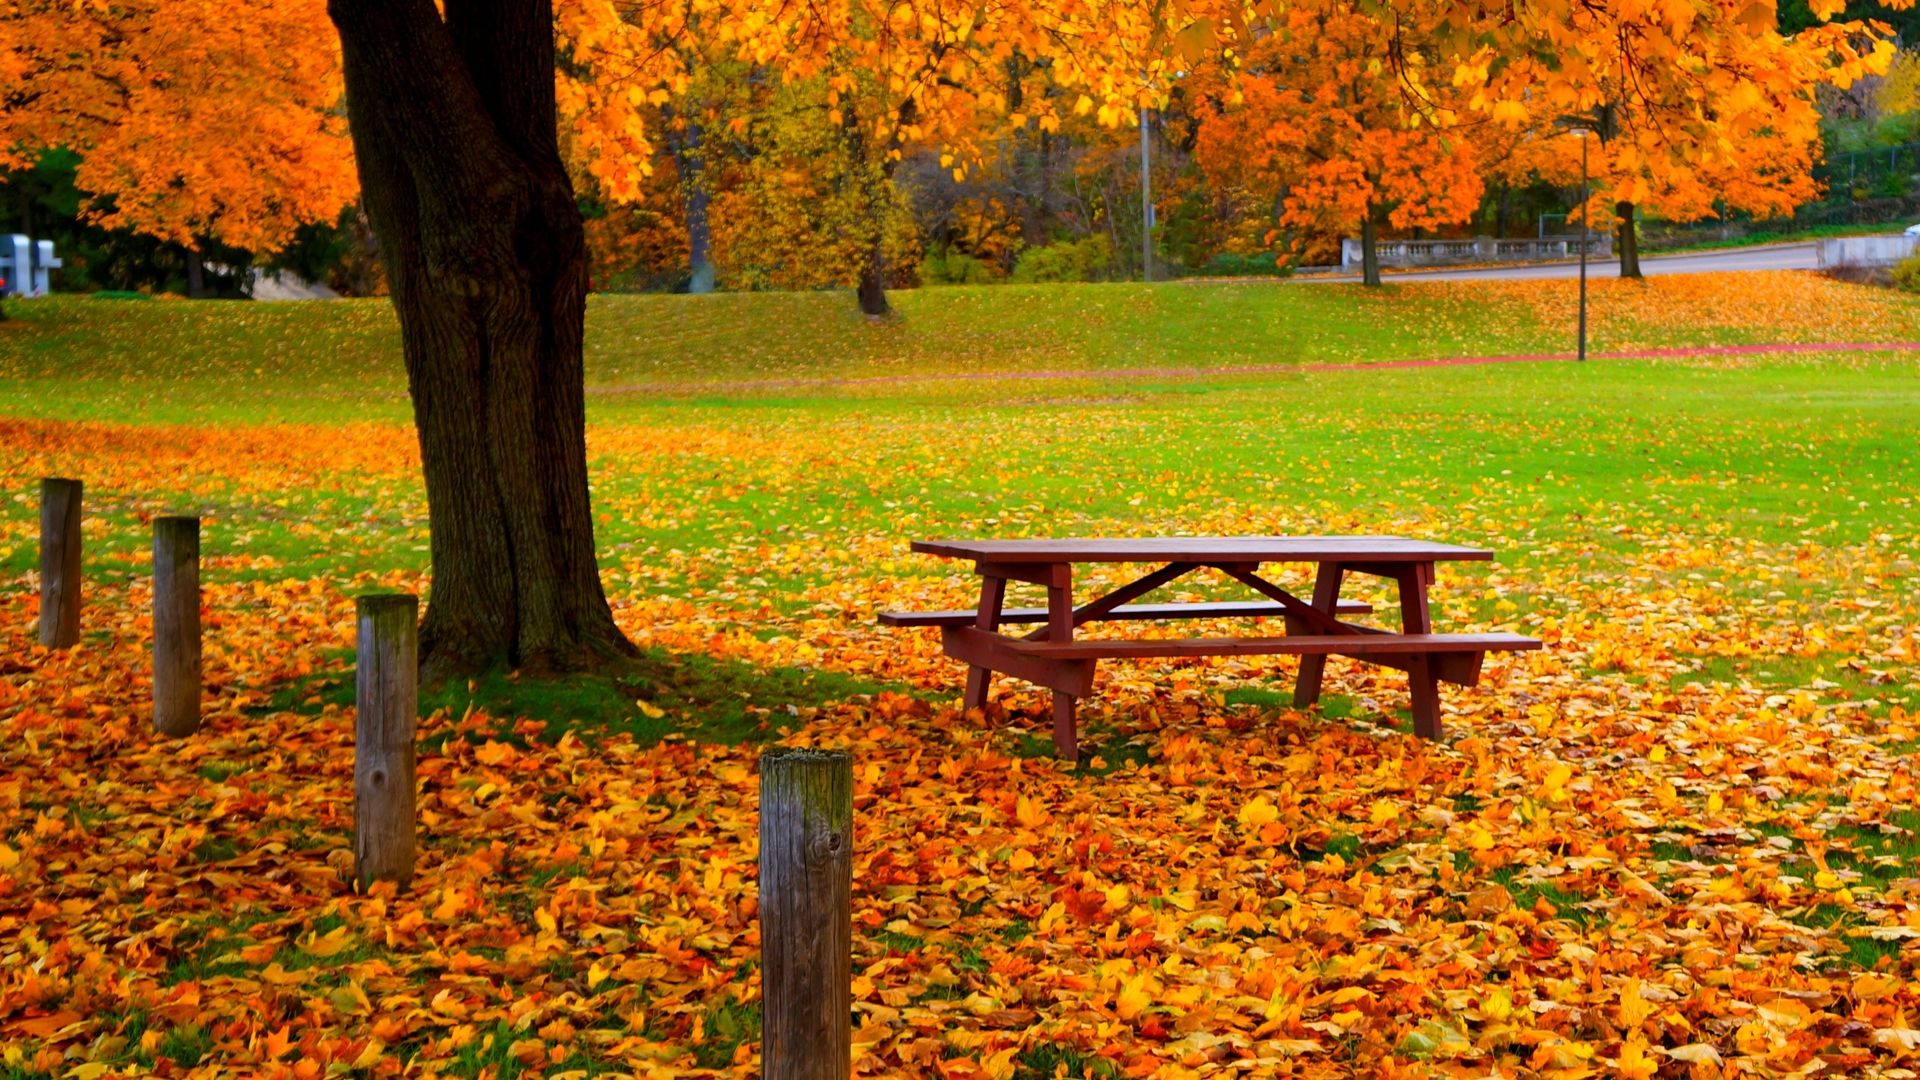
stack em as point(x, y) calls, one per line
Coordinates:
point(1680, 839)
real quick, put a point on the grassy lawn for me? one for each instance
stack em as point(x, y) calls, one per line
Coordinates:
point(1687, 824)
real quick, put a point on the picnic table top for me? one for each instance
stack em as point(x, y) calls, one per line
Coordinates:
point(1374, 549)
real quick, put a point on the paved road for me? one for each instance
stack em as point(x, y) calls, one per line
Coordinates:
point(1770, 257)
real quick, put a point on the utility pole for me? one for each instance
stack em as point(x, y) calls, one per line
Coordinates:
point(1146, 203)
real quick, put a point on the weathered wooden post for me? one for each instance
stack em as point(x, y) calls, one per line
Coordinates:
point(176, 625)
point(806, 914)
point(59, 563)
point(386, 681)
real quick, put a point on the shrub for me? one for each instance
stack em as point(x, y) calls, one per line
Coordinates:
point(1906, 273)
point(1068, 260)
point(956, 268)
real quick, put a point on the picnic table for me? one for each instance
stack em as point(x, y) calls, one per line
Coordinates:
point(1052, 657)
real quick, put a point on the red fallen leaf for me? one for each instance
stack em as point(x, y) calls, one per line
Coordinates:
point(1085, 905)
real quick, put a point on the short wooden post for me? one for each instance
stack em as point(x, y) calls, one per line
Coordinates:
point(176, 625)
point(806, 914)
point(59, 563)
point(387, 710)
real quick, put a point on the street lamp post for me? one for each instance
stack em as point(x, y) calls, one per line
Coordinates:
point(1146, 203)
point(1586, 196)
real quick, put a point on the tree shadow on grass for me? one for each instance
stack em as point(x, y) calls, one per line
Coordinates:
point(660, 694)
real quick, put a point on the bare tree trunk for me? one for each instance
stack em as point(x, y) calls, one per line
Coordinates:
point(872, 291)
point(454, 134)
point(876, 185)
point(1627, 239)
point(1369, 253)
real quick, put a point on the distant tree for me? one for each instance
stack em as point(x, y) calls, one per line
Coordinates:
point(1325, 126)
point(1700, 107)
point(191, 119)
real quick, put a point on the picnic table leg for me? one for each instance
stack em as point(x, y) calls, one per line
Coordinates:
point(993, 594)
point(1066, 743)
point(1326, 596)
point(1416, 618)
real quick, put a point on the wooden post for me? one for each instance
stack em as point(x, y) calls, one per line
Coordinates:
point(387, 709)
point(176, 625)
point(59, 563)
point(806, 914)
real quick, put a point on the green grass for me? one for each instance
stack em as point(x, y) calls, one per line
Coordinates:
point(234, 360)
point(241, 362)
point(1526, 894)
point(1560, 468)
point(1049, 1060)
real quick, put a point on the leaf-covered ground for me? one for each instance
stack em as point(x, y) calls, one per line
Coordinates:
point(1679, 842)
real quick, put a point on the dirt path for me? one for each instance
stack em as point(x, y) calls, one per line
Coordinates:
point(1248, 369)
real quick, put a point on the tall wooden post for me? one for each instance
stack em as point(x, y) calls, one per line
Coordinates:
point(806, 914)
point(176, 625)
point(387, 709)
point(59, 563)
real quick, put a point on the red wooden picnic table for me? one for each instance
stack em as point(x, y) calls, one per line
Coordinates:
point(1051, 657)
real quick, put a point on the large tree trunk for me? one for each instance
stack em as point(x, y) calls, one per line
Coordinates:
point(1369, 252)
point(1627, 239)
point(454, 133)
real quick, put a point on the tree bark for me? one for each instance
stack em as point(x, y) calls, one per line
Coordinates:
point(689, 159)
point(1369, 253)
point(806, 920)
point(386, 715)
point(875, 182)
point(59, 563)
point(454, 135)
point(1627, 240)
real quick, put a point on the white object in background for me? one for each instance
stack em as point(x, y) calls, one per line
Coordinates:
point(44, 264)
point(15, 268)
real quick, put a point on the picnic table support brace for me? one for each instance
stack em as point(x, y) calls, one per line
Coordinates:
point(1422, 684)
point(1066, 743)
point(1326, 594)
point(993, 595)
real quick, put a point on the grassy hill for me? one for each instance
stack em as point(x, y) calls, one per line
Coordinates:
point(239, 361)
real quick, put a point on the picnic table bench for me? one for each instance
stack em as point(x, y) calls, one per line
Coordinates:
point(1052, 657)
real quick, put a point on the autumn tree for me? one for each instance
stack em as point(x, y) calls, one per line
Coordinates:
point(192, 119)
point(952, 79)
point(453, 119)
point(1329, 125)
point(1698, 107)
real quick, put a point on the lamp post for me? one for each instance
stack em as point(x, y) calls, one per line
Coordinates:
point(1146, 203)
point(1586, 196)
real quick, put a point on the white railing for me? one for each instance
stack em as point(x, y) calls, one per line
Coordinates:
point(1478, 249)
